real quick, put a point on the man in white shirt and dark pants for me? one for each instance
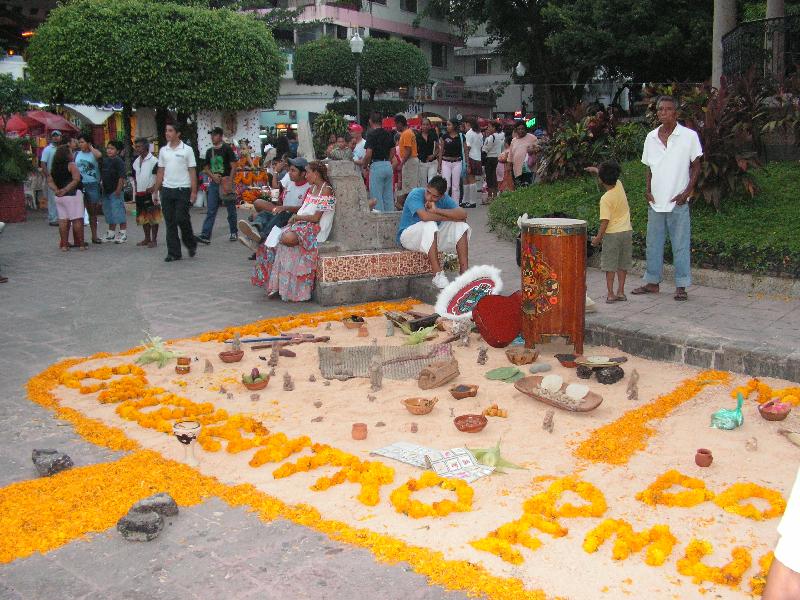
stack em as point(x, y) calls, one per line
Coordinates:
point(177, 182)
point(672, 154)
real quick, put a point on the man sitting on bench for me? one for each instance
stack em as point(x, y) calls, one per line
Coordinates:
point(432, 222)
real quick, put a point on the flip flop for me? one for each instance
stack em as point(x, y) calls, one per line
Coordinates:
point(644, 290)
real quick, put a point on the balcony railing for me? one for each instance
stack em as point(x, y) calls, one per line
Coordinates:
point(772, 46)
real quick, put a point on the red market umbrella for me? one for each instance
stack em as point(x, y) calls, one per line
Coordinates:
point(22, 125)
point(52, 121)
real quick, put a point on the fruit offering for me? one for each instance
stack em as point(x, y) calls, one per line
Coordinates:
point(494, 411)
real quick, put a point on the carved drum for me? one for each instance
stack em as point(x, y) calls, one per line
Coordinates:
point(553, 280)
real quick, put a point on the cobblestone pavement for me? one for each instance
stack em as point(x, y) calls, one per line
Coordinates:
point(57, 305)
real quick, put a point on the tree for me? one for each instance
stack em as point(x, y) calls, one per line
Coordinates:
point(11, 98)
point(385, 64)
point(146, 53)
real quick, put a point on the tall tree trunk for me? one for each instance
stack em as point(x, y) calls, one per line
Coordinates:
point(126, 130)
point(777, 45)
point(724, 21)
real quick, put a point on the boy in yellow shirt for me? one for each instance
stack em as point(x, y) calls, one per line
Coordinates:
point(616, 233)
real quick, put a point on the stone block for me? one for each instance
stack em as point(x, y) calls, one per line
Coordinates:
point(49, 462)
point(699, 358)
point(162, 504)
point(140, 526)
point(350, 292)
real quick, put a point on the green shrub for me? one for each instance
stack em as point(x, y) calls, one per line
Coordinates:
point(15, 162)
point(752, 236)
point(384, 107)
point(324, 125)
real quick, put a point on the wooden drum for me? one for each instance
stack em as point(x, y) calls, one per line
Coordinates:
point(553, 280)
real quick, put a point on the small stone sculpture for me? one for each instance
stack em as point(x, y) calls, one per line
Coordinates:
point(255, 397)
point(462, 329)
point(584, 372)
point(208, 367)
point(370, 397)
point(414, 428)
point(311, 378)
point(609, 375)
point(49, 462)
point(380, 424)
point(317, 404)
point(288, 384)
point(326, 382)
point(547, 423)
point(539, 368)
point(273, 357)
point(483, 355)
point(751, 445)
point(237, 342)
point(389, 328)
point(375, 375)
point(328, 326)
point(452, 412)
point(229, 395)
point(633, 386)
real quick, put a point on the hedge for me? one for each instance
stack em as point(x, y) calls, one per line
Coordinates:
point(759, 236)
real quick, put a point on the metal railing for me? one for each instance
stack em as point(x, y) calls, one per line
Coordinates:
point(772, 46)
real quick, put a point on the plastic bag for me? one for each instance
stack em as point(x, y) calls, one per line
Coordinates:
point(729, 419)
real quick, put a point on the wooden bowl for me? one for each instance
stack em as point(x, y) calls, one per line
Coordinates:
point(470, 423)
point(419, 406)
point(522, 356)
point(231, 356)
point(258, 385)
point(353, 322)
point(773, 415)
point(462, 391)
point(567, 360)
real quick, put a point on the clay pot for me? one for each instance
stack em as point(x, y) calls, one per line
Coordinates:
point(231, 356)
point(353, 322)
point(182, 369)
point(419, 406)
point(774, 411)
point(522, 356)
point(184, 360)
point(703, 458)
point(462, 391)
point(359, 431)
point(470, 423)
point(258, 385)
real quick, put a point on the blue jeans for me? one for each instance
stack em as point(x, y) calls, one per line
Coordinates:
point(213, 198)
point(114, 209)
point(52, 212)
point(380, 185)
point(678, 224)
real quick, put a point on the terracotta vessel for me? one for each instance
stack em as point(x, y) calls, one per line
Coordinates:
point(363, 331)
point(703, 458)
point(231, 356)
point(419, 406)
point(359, 431)
point(774, 411)
point(353, 322)
point(182, 369)
point(462, 391)
point(567, 360)
point(470, 423)
point(184, 360)
point(258, 385)
point(521, 356)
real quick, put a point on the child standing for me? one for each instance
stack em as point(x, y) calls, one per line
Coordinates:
point(616, 233)
point(112, 176)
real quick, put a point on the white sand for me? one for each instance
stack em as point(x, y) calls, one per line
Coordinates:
point(560, 566)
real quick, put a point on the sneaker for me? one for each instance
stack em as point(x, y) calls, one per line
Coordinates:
point(202, 239)
point(121, 238)
point(233, 237)
point(249, 231)
point(248, 243)
point(440, 280)
point(110, 235)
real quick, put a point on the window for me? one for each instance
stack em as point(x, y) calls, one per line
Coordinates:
point(438, 55)
point(381, 35)
point(408, 5)
point(483, 65)
point(341, 32)
point(413, 41)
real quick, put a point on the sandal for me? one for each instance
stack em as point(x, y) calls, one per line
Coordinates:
point(622, 298)
point(645, 289)
point(681, 295)
point(611, 299)
point(143, 243)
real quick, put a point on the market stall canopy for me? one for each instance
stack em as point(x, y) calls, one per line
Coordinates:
point(93, 115)
point(52, 121)
point(21, 125)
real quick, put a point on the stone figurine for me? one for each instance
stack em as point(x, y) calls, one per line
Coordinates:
point(633, 386)
point(483, 355)
point(273, 357)
point(237, 342)
point(288, 384)
point(208, 368)
point(375, 375)
point(547, 423)
point(389, 328)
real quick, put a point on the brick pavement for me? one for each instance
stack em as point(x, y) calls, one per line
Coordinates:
point(58, 305)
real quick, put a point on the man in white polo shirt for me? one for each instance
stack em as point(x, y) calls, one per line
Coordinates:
point(783, 580)
point(177, 183)
point(672, 154)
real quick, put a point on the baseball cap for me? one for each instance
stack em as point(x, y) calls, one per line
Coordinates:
point(55, 132)
point(217, 131)
point(355, 127)
point(299, 162)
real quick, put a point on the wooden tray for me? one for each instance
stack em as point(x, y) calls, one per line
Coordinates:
point(530, 387)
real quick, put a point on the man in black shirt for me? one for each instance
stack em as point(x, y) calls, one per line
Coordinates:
point(379, 147)
point(220, 165)
point(427, 151)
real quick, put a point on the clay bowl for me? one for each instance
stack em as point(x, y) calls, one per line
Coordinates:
point(231, 356)
point(258, 385)
point(462, 391)
point(470, 423)
point(353, 322)
point(567, 360)
point(419, 406)
point(774, 411)
point(703, 458)
point(182, 369)
point(522, 356)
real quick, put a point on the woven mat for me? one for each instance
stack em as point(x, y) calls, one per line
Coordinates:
point(357, 359)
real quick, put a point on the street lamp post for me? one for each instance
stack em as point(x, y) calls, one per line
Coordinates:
point(520, 71)
point(357, 47)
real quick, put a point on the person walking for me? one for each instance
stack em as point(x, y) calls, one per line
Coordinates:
point(379, 147)
point(177, 184)
point(86, 160)
point(672, 154)
point(451, 159)
point(474, 140)
point(220, 166)
point(427, 150)
point(46, 164)
point(112, 177)
point(64, 180)
point(148, 212)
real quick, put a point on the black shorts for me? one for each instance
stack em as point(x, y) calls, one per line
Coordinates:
point(491, 172)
